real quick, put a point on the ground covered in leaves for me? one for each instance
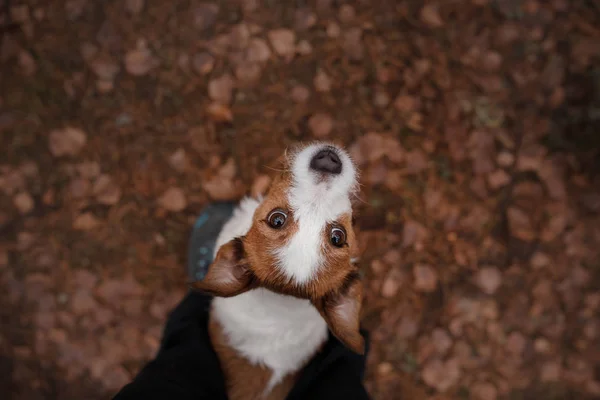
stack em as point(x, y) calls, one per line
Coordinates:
point(475, 124)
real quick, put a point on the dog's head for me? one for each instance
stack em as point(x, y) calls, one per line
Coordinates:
point(301, 242)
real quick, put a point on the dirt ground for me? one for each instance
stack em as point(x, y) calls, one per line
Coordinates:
point(476, 125)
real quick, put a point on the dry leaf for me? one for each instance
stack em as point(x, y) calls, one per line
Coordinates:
point(140, 61)
point(106, 191)
point(173, 200)
point(283, 42)
point(322, 81)
point(321, 125)
point(203, 63)
point(23, 202)
point(68, 141)
point(425, 278)
point(221, 89)
point(488, 279)
point(258, 51)
point(134, 6)
point(219, 112)
point(431, 16)
point(441, 375)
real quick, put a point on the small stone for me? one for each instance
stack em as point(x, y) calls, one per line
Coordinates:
point(425, 278)
point(488, 279)
point(85, 222)
point(260, 185)
point(221, 89)
point(283, 42)
point(68, 141)
point(140, 61)
point(321, 125)
point(106, 191)
point(322, 81)
point(23, 202)
point(431, 16)
point(173, 200)
point(203, 63)
point(300, 94)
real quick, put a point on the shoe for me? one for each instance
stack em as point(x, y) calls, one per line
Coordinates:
point(204, 236)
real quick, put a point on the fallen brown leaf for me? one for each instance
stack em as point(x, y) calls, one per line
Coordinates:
point(106, 191)
point(219, 112)
point(173, 200)
point(321, 125)
point(85, 222)
point(140, 60)
point(68, 141)
point(23, 202)
point(283, 42)
point(221, 89)
point(425, 278)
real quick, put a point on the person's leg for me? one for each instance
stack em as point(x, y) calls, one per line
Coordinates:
point(186, 366)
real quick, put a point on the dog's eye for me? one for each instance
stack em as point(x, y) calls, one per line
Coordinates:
point(338, 237)
point(277, 219)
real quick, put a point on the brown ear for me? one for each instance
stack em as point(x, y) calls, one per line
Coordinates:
point(341, 311)
point(229, 274)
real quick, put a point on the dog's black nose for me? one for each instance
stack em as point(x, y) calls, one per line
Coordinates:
point(326, 161)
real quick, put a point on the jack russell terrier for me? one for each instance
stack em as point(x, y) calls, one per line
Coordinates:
point(283, 274)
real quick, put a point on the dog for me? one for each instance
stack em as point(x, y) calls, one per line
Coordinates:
point(284, 274)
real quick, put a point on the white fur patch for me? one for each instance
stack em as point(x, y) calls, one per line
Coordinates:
point(315, 202)
point(277, 331)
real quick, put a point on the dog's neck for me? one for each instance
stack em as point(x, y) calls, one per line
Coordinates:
point(277, 331)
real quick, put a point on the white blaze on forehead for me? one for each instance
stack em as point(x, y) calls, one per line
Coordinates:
point(314, 202)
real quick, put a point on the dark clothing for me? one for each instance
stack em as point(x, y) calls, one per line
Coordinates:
point(187, 367)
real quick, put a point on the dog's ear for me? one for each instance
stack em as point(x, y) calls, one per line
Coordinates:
point(229, 274)
point(341, 311)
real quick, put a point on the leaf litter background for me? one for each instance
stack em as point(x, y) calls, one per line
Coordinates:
point(475, 123)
